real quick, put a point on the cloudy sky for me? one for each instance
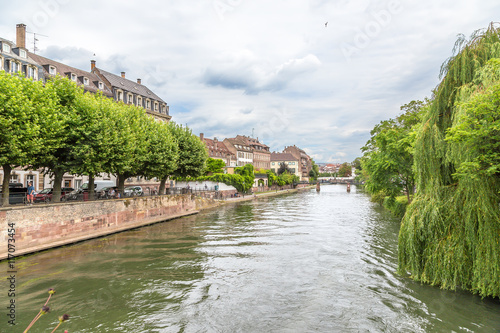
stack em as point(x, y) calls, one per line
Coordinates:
point(315, 73)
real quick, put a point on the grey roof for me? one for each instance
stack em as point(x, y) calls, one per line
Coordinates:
point(126, 84)
point(278, 157)
point(65, 70)
point(13, 55)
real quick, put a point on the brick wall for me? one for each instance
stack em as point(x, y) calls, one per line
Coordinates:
point(45, 226)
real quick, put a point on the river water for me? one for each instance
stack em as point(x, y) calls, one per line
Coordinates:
point(306, 262)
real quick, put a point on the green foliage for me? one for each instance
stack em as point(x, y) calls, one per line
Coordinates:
point(214, 166)
point(272, 179)
point(397, 205)
point(328, 174)
point(450, 234)
point(345, 170)
point(378, 197)
point(242, 180)
point(29, 121)
point(192, 152)
point(246, 172)
point(387, 162)
point(61, 129)
point(162, 152)
point(283, 168)
point(314, 172)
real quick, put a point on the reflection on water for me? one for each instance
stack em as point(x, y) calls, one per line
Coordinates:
point(309, 262)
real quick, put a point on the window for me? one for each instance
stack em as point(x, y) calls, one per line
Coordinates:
point(73, 77)
point(15, 67)
point(30, 179)
point(86, 81)
point(67, 183)
point(139, 101)
point(22, 53)
point(119, 95)
point(14, 179)
point(6, 47)
point(52, 70)
point(78, 183)
point(130, 98)
point(156, 106)
point(101, 85)
point(148, 104)
point(32, 72)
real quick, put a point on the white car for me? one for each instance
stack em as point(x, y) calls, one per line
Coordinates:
point(133, 191)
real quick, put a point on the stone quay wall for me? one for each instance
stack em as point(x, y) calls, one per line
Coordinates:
point(42, 227)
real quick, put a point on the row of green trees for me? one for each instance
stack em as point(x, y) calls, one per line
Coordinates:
point(448, 149)
point(244, 177)
point(57, 127)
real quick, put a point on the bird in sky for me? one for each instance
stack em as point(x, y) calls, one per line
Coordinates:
point(326, 24)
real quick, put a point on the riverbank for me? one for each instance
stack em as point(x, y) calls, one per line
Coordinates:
point(30, 229)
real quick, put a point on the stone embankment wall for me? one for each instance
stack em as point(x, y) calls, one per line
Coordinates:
point(46, 226)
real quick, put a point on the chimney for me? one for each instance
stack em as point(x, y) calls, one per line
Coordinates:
point(21, 35)
point(92, 64)
point(138, 81)
point(123, 74)
point(201, 136)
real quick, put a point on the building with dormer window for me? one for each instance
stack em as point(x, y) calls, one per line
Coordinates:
point(15, 58)
point(133, 93)
point(88, 81)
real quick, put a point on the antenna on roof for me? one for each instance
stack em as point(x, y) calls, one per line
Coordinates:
point(252, 132)
point(35, 40)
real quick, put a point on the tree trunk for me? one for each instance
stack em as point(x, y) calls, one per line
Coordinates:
point(56, 189)
point(91, 188)
point(161, 191)
point(5, 184)
point(121, 184)
point(408, 192)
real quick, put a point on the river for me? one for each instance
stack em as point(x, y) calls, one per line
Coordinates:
point(306, 262)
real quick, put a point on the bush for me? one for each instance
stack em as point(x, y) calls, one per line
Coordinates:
point(396, 205)
point(378, 197)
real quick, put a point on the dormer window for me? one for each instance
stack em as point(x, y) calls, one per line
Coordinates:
point(22, 53)
point(52, 70)
point(86, 81)
point(73, 77)
point(101, 85)
point(156, 106)
point(6, 47)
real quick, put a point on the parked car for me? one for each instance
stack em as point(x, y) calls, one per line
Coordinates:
point(98, 185)
point(45, 195)
point(16, 195)
point(132, 191)
point(104, 193)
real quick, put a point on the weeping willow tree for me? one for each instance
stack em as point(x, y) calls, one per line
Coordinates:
point(450, 235)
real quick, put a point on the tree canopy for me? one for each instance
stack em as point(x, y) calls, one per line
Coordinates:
point(451, 230)
point(58, 128)
point(387, 162)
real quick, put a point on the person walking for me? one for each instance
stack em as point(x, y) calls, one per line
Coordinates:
point(31, 193)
